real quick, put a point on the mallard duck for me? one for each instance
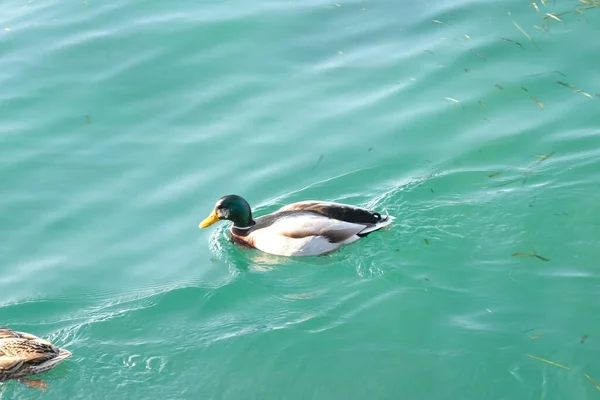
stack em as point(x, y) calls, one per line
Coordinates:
point(306, 228)
point(23, 354)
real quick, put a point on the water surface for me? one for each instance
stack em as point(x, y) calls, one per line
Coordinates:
point(122, 123)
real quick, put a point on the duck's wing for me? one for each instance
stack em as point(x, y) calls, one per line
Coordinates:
point(337, 211)
point(9, 365)
point(7, 333)
point(301, 233)
point(302, 230)
point(307, 223)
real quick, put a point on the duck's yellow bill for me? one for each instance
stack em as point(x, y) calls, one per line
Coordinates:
point(211, 219)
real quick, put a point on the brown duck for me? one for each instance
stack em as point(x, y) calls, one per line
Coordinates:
point(23, 354)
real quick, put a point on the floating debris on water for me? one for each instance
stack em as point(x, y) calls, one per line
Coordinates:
point(468, 37)
point(553, 17)
point(455, 101)
point(540, 28)
point(530, 171)
point(549, 362)
point(530, 255)
point(494, 174)
point(523, 255)
point(545, 157)
point(523, 31)
point(481, 103)
point(539, 335)
point(526, 174)
point(591, 3)
point(435, 21)
point(524, 89)
point(478, 55)
point(535, 6)
point(593, 381)
point(573, 88)
point(318, 161)
point(547, 73)
point(499, 87)
point(88, 119)
point(426, 241)
point(533, 201)
point(339, 51)
point(513, 41)
point(539, 103)
point(584, 338)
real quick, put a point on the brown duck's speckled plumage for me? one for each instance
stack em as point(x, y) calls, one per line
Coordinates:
point(23, 354)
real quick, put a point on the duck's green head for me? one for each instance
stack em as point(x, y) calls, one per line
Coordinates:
point(232, 208)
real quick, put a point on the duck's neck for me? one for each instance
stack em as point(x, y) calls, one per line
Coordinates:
point(244, 226)
point(238, 230)
point(243, 219)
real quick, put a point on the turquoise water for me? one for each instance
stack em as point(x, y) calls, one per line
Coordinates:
point(122, 123)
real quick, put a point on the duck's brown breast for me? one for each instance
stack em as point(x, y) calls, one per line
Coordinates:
point(242, 241)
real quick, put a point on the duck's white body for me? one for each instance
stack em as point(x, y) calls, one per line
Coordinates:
point(310, 228)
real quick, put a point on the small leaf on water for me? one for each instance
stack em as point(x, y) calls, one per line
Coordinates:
point(539, 103)
point(539, 335)
point(593, 381)
point(523, 255)
point(547, 361)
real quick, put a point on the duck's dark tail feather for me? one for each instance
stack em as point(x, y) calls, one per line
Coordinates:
point(383, 223)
